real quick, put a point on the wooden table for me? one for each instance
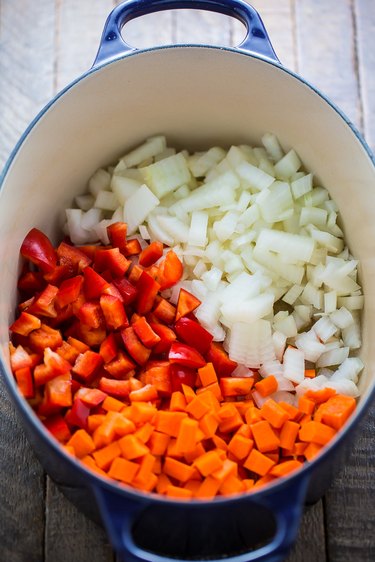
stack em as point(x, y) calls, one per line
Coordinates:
point(46, 44)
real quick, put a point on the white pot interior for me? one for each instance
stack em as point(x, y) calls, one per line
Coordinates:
point(197, 96)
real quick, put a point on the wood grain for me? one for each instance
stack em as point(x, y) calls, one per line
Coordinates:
point(310, 545)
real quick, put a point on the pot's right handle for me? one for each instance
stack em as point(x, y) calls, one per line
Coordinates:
point(113, 46)
point(119, 515)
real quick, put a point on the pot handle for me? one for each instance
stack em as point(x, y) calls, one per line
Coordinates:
point(112, 45)
point(119, 514)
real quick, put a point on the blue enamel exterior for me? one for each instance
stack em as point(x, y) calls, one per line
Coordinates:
point(120, 507)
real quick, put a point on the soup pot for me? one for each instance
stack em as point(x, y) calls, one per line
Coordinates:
point(197, 96)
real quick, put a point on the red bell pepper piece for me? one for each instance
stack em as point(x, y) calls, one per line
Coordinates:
point(132, 247)
point(113, 291)
point(44, 304)
point(118, 388)
point(68, 352)
point(166, 335)
point(43, 374)
point(192, 333)
point(165, 311)
point(151, 254)
point(78, 414)
point(80, 346)
point(146, 334)
point(38, 249)
point(160, 378)
point(182, 375)
point(223, 365)
point(112, 260)
point(135, 273)
point(90, 396)
point(134, 346)
point(55, 363)
point(170, 270)
point(71, 256)
point(186, 303)
point(117, 235)
point(31, 282)
point(44, 337)
point(93, 337)
point(58, 391)
point(25, 324)
point(25, 382)
point(108, 348)
point(68, 291)
point(185, 355)
point(91, 315)
point(114, 312)
point(121, 366)
point(58, 427)
point(19, 358)
point(87, 364)
point(126, 289)
point(147, 289)
point(56, 276)
point(94, 284)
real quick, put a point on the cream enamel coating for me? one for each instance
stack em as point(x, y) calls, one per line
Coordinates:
point(197, 97)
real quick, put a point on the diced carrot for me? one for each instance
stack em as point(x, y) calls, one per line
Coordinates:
point(132, 448)
point(292, 411)
point(265, 438)
point(177, 492)
point(169, 422)
point(198, 450)
point(273, 413)
point(123, 470)
point(207, 374)
point(312, 450)
point(104, 457)
point(178, 402)
point(163, 483)
point(144, 432)
point(245, 431)
point(94, 421)
point(253, 415)
point(288, 434)
point(188, 392)
point(146, 485)
point(209, 424)
point(284, 468)
point(214, 388)
point(197, 407)
point(319, 396)
point(219, 442)
point(178, 470)
point(229, 468)
point(305, 405)
point(316, 432)
point(236, 386)
point(187, 435)
point(336, 410)
point(90, 463)
point(112, 404)
point(208, 463)
point(249, 483)
point(82, 443)
point(305, 419)
point(266, 479)
point(208, 488)
point(148, 393)
point(231, 485)
point(267, 386)
point(240, 446)
point(258, 462)
point(299, 448)
point(146, 467)
point(141, 412)
point(310, 373)
point(158, 443)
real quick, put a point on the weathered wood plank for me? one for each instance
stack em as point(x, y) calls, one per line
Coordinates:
point(26, 66)
point(350, 502)
point(70, 535)
point(365, 23)
point(279, 22)
point(326, 54)
point(79, 28)
point(310, 545)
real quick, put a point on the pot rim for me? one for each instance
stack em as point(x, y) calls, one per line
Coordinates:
point(94, 479)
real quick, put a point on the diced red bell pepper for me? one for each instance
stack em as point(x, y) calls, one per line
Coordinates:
point(114, 312)
point(19, 358)
point(113, 291)
point(160, 377)
point(38, 249)
point(147, 289)
point(58, 391)
point(108, 348)
point(132, 247)
point(87, 364)
point(127, 290)
point(60, 273)
point(185, 355)
point(25, 382)
point(165, 311)
point(166, 335)
point(186, 303)
point(170, 270)
point(25, 324)
point(223, 365)
point(78, 414)
point(134, 346)
point(71, 256)
point(68, 291)
point(146, 334)
point(55, 363)
point(117, 235)
point(90, 396)
point(58, 427)
point(135, 273)
point(113, 260)
point(31, 282)
point(117, 388)
point(181, 375)
point(68, 352)
point(93, 337)
point(121, 366)
point(44, 304)
point(43, 374)
point(94, 284)
point(192, 333)
point(91, 315)
point(151, 254)
point(80, 346)
point(44, 337)
point(89, 250)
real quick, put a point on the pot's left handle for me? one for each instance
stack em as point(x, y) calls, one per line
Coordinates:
point(113, 46)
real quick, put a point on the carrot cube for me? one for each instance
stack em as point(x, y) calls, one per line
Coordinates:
point(273, 413)
point(267, 386)
point(258, 463)
point(316, 432)
point(208, 463)
point(82, 443)
point(207, 374)
point(123, 470)
point(240, 446)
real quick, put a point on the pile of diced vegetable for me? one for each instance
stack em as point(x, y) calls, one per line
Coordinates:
point(194, 334)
